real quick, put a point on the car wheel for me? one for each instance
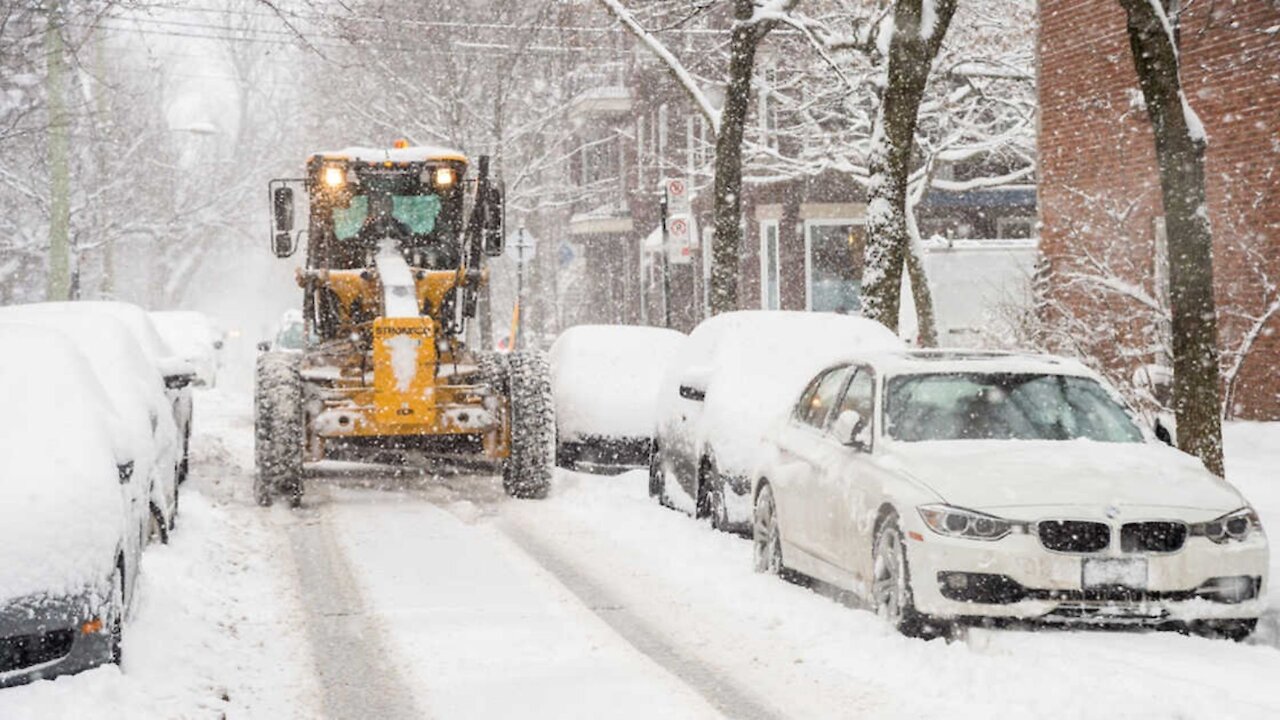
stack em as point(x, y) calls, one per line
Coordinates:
point(766, 539)
point(891, 585)
point(115, 640)
point(716, 508)
point(1234, 630)
point(157, 528)
point(657, 478)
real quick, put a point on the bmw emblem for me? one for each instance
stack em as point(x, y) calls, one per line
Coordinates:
point(1113, 512)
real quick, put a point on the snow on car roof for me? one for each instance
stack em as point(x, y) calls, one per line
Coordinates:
point(133, 317)
point(132, 383)
point(906, 362)
point(417, 153)
point(605, 378)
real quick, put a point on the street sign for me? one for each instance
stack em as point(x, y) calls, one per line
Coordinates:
point(677, 190)
point(679, 234)
point(565, 254)
point(525, 244)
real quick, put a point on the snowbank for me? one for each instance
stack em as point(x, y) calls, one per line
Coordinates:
point(605, 378)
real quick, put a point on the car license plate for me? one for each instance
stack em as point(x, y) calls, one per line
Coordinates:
point(1126, 572)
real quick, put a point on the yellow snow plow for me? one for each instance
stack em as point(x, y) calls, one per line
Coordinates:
point(396, 241)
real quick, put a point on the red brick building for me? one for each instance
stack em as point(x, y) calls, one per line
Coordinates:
point(1099, 195)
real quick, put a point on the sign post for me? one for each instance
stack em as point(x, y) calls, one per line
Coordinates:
point(526, 247)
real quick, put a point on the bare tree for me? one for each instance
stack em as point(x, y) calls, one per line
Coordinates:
point(916, 35)
point(1180, 144)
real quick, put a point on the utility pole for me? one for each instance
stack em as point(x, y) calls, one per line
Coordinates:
point(59, 287)
point(666, 262)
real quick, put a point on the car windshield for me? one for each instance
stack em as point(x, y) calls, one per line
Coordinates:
point(1003, 406)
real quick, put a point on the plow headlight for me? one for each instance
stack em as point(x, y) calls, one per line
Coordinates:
point(444, 177)
point(333, 176)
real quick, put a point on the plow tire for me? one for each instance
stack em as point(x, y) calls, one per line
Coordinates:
point(278, 428)
point(527, 472)
point(495, 371)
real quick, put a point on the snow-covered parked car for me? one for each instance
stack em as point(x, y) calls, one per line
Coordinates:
point(196, 338)
point(735, 375)
point(177, 372)
point(945, 486)
point(136, 391)
point(72, 515)
point(604, 382)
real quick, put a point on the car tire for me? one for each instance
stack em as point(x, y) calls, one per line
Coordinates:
point(891, 596)
point(766, 537)
point(115, 620)
point(279, 428)
point(657, 478)
point(157, 528)
point(527, 472)
point(714, 496)
point(1235, 630)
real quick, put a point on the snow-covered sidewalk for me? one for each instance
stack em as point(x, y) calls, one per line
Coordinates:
point(214, 631)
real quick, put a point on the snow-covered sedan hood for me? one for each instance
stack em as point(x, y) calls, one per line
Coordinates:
point(59, 527)
point(993, 474)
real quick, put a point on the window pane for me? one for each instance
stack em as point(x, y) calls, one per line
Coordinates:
point(1004, 406)
point(824, 398)
point(835, 255)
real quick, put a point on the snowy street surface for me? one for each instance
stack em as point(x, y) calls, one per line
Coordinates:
point(414, 596)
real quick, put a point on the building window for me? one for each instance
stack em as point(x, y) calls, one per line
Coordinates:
point(600, 160)
point(770, 288)
point(1014, 227)
point(833, 265)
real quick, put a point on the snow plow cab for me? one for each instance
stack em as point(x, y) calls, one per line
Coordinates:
point(395, 246)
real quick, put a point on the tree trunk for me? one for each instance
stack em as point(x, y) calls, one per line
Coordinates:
point(59, 171)
point(910, 58)
point(1180, 145)
point(726, 245)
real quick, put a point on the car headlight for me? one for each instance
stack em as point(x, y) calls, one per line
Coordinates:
point(957, 522)
point(1235, 525)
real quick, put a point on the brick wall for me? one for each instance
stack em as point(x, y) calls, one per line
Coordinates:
point(1099, 195)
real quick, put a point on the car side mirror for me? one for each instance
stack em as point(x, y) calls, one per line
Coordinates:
point(851, 430)
point(693, 384)
point(688, 392)
point(179, 380)
point(1163, 433)
point(264, 346)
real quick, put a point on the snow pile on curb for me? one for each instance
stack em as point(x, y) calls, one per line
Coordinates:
point(209, 635)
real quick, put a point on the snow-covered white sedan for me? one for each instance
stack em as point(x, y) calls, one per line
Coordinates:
point(729, 382)
point(944, 486)
point(72, 514)
point(604, 383)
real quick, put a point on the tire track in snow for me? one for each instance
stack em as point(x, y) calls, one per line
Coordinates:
point(357, 680)
point(722, 694)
